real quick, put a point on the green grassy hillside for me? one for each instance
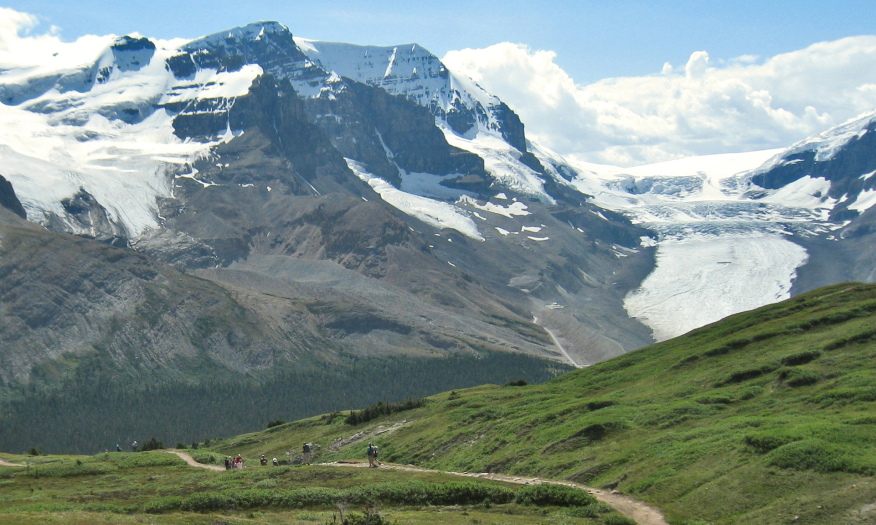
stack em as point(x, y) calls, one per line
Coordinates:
point(767, 417)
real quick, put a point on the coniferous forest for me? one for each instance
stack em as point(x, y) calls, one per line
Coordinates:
point(99, 409)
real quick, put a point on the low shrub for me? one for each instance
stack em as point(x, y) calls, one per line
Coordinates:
point(420, 493)
point(590, 511)
point(727, 347)
point(861, 337)
point(549, 494)
point(845, 395)
point(357, 417)
point(617, 519)
point(670, 415)
point(66, 470)
point(768, 440)
point(135, 460)
point(152, 444)
point(737, 376)
point(820, 456)
point(599, 404)
point(714, 400)
point(412, 493)
point(163, 504)
point(800, 358)
point(798, 377)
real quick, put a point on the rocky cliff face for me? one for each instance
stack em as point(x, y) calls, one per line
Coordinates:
point(8, 199)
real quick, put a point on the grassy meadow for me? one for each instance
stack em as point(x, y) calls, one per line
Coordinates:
point(768, 417)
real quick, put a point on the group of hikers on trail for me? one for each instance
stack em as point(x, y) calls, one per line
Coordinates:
point(236, 462)
point(264, 461)
point(306, 454)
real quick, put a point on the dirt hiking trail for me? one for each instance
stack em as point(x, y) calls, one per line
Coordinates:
point(629, 507)
point(191, 461)
point(632, 508)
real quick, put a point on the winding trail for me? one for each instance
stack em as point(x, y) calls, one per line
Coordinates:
point(191, 461)
point(8, 464)
point(640, 512)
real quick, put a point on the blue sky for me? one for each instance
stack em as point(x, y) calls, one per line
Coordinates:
point(622, 82)
point(592, 39)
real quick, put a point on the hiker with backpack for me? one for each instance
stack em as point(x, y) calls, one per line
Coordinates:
point(305, 453)
point(370, 452)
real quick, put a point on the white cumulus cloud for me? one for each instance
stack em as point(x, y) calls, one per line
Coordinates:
point(701, 107)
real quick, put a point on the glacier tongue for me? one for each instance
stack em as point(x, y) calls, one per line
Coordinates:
point(702, 279)
point(723, 244)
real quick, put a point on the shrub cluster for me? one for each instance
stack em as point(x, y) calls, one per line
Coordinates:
point(801, 358)
point(152, 444)
point(798, 377)
point(766, 441)
point(66, 470)
point(208, 458)
point(745, 374)
point(862, 337)
point(357, 417)
point(821, 456)
point(412, 493)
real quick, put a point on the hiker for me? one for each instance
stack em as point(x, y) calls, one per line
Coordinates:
point(263, 460)
point(376, 451)
point(276, 463)
point(370, 452)
point(305, 453)
point(227, 462)
point(134, 446)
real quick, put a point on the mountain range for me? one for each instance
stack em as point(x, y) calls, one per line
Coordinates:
point(279, 226)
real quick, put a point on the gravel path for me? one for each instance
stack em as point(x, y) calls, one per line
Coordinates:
point(642, 513)
point(629, 507)
point(191, 461)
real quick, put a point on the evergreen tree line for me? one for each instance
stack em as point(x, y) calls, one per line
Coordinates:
point(115, 407)
point(357, 417)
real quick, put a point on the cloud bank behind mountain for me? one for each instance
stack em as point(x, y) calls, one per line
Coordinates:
point(702, 107)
